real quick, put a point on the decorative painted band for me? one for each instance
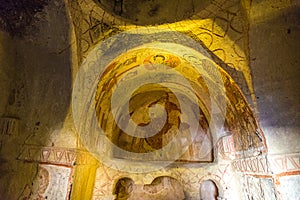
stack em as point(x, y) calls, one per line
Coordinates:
point(284, 163)
point(9, 126)
point(56, 156)
point(269, 164)
point(255, 165)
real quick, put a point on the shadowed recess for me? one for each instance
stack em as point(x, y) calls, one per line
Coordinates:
point(17, 16)
point(152, 12)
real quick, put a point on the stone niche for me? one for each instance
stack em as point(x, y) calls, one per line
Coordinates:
point(164, 187)
point(208, 190)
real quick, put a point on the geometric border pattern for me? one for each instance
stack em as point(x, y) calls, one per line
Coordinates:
point(56, 156)
point(268, 165)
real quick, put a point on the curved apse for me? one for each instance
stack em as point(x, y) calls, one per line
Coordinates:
point(160, 100)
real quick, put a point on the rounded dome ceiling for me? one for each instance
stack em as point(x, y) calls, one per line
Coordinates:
point(150, 12)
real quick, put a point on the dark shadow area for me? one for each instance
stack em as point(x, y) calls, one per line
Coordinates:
point(40, 87)
point(16, 17)
point(152, 12)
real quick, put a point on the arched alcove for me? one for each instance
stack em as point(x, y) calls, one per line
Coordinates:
point(146, 101)
point(162, 187)
point(123, 188)
point(161, 101)
point(209, 190)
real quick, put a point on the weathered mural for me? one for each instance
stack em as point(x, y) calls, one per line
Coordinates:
point(135, 100)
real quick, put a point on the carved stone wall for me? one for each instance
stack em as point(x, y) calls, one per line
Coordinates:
point(45, 148)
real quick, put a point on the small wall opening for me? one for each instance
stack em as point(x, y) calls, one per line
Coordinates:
point(123, 188)
point(209, 190)
point(163, 187)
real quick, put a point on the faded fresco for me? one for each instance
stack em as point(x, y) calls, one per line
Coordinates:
point(147, 100)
